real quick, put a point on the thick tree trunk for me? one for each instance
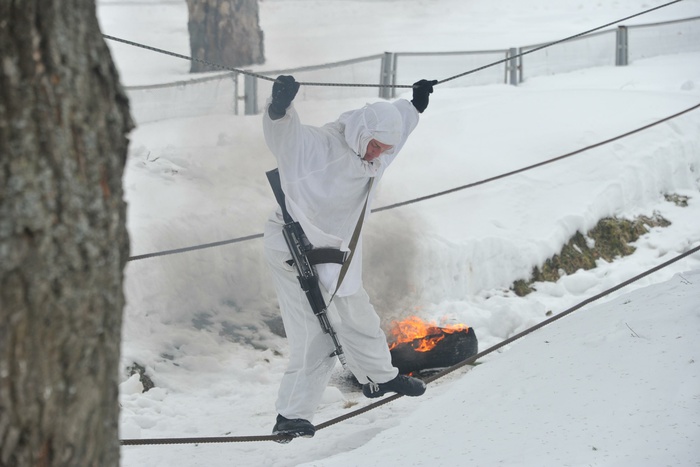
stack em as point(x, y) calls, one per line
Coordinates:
point(63, 242)
point(224, 32)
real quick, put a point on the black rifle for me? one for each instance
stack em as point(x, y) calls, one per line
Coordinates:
point(304, 257)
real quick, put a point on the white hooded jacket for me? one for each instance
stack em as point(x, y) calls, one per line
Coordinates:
point(325, 180)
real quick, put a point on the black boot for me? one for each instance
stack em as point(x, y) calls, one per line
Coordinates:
point(402, 384)
point(289, 429)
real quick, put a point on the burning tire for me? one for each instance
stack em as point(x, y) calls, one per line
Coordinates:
point(419, 346)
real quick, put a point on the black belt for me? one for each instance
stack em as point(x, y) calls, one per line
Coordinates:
point(324, 255)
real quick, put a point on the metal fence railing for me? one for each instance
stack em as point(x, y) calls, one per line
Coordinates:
point(364, 70)
point(204, 96)
point(223, 92)
point(409, 67)
point(669, 37)
point(592, 50)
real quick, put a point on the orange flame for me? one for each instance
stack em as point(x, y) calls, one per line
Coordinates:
point(427, 334)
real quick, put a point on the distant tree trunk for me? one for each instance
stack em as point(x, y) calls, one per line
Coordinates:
point(63, 242)
point(225, 32)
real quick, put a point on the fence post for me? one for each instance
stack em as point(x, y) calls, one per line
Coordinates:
point(513, 67)
point(385, 78)
point(250, 90)
point(394, 69)
point(234, 104)
point(621, 47)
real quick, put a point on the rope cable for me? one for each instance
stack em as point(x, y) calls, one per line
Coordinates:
point(196, 247)
point(377, 85)
point(260, 76)
point(444, 372)
point(434, 195)
point(470, 360)
point(511, 339)
point(539, 164)
point(550, 44)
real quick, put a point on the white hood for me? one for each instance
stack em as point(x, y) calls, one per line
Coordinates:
point(381, 121)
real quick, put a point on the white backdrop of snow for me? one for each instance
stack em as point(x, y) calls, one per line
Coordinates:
point(615, 384)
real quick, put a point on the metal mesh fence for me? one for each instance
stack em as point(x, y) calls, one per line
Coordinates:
point(651, 40)
point(593, 50)
point(410, 67)
point(364, 70)
point(206, 96)
point(224, 93)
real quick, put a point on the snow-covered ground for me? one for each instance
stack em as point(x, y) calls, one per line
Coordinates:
point(615, 384)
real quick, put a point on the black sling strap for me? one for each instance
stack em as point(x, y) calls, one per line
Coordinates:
point(323, 255)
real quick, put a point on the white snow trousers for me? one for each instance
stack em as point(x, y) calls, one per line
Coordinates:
point(310, 365)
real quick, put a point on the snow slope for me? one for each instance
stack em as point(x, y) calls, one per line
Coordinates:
point(616, 384)
point(596, 388)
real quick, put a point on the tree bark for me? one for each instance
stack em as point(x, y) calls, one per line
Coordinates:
point(224, 32)
point(63, 242)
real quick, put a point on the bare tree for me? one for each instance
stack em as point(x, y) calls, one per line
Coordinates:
point(225, 32)
point(63, 242)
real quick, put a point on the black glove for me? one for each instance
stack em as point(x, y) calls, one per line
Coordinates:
point(283, 92)
point(421, 91)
